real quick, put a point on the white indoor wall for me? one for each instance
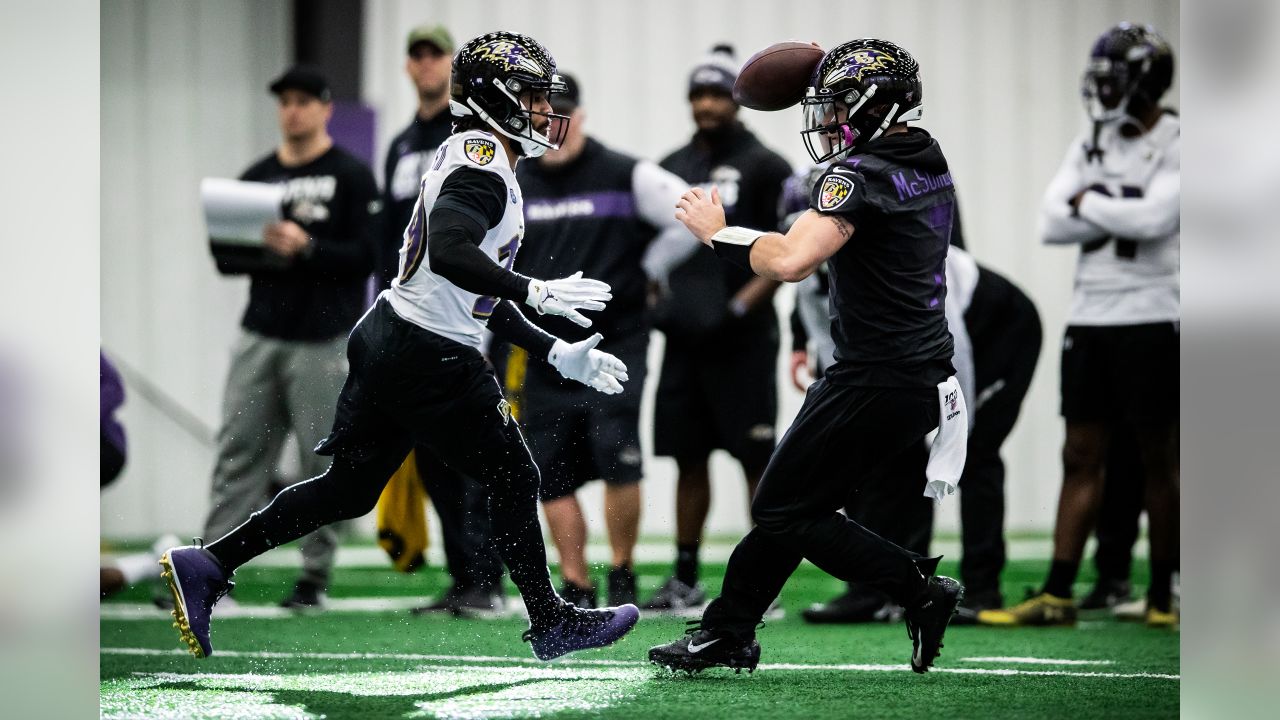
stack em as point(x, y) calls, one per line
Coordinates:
point(183, 97)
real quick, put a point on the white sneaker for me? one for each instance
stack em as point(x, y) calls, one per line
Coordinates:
point(1132, 611)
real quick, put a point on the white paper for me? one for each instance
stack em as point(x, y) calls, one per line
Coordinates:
point(236, 211)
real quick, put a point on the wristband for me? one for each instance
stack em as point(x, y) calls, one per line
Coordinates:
point(734, 244)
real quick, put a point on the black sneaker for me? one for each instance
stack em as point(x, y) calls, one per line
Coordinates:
point(581, 629)
point(974, 603)
point(306, 595)
point(622, 586)
point(577, 595)
point(927, 622)
point(700, 649)
point(466, 602)
point(1106, 593)
point(855, 606)
point(675, 596)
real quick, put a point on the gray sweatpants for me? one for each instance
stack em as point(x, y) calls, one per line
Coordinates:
point(275, 388)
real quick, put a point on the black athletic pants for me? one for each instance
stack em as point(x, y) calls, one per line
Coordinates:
point(463, 508)
point(1122, 503)
point(845, 439)
point(1004, 328)
point(409, 385)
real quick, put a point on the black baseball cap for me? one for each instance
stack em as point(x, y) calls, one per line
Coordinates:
point(304, 78)
point(566, 101)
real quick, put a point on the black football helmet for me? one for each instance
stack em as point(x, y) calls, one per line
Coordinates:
point(490, 75)
point(859, 89)
point(1130, 68)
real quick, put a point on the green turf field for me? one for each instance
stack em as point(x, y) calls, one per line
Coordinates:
point(362, 662)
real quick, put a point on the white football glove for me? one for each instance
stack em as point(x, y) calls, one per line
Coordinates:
point(582, 362)
point(566, 296)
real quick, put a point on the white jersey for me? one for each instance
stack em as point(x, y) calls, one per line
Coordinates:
point(1128, 230)
point(423, 297)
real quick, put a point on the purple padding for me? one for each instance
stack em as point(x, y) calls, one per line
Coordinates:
point(352, 127)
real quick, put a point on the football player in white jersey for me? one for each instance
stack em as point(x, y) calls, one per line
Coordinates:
point(1116, 196)
point(417, 374)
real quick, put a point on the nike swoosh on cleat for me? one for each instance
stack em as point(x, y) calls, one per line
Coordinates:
point(695, 648)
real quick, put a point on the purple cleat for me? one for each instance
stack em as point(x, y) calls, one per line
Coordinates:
point(197, 581)
point(581, 630)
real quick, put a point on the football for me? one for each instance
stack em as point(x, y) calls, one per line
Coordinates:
point(776, 77)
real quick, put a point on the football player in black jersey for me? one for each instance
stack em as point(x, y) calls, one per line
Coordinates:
point(880, 217)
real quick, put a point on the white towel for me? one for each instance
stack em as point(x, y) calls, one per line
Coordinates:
point(949, 443)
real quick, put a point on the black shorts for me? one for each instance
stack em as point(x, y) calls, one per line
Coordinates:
point(408, 386)
point(1120, 373)
point(575, 433)
point(716, 396)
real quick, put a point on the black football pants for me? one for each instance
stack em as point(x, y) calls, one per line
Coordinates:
point(844, 440)
point(407, 385)
point(463, 508)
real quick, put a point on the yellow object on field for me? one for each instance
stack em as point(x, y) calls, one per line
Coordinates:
point(402, 517)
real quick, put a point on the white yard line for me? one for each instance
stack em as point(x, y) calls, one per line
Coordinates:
point(800, 667)
point(1035, 661)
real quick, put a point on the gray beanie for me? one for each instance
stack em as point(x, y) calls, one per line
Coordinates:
point(718, 70)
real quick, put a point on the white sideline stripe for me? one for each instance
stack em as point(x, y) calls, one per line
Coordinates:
point(268, 655)
point(1035, 661)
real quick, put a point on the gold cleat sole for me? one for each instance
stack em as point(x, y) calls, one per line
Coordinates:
point(179, 608)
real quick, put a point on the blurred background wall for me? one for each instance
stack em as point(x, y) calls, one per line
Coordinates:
point(184, 97)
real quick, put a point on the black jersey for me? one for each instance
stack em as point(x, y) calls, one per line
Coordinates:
point(888, 283)
point(320, 293)
point(583, 216)
point(408, 159)
point(749, 176)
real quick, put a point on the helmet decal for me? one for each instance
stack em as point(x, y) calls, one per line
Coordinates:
point(509, 54)
point(858, 64)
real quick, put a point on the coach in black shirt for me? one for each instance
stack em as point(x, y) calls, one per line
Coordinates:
point(305, 294)
point(715, 310)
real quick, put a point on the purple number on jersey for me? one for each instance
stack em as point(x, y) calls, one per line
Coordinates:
point(415, 247)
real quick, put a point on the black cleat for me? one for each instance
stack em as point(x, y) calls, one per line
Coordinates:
point(578, 596)
point(622, 586)
point(855, 606)
point(927, 622)
point(700, 649)
point(581, 629)
point(1107, 593)
point(674, 596)
point(974, 603)
point(467, 602)
point(306, 595)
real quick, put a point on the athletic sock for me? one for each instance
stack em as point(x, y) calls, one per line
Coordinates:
point(141, 566)
point(687, 563)
point(1160, 594)
point(1062, 575)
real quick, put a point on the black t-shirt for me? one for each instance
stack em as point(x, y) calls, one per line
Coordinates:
point(582, 216)
point(408, 159)
point(888, 282)
point(320, 294)
point(750, 178)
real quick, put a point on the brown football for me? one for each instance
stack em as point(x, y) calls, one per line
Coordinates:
point(776, 77)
